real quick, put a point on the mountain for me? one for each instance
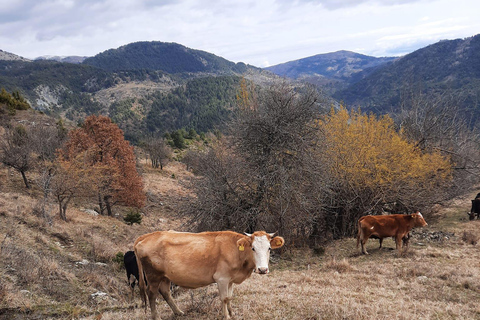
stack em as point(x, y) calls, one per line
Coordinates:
point(68, 59)
point(145, 87)
point(446, 66)
point(167, 57)
point(7, 56)
point(330, 68)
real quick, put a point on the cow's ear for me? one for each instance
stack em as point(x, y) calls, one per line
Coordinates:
point(244, 243)
point(277, 242)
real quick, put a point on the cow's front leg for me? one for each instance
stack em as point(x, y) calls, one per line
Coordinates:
point(230, 297)
point(399, 242)
point(223, 286)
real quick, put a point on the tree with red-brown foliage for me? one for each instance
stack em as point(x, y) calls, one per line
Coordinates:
point(104, 147)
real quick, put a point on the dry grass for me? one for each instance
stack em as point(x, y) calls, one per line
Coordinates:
point(41, 269)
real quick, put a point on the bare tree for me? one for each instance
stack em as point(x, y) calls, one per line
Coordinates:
point(16, 151)
point(260, 177)
point(191, 159)
point(44, 181)
point(437, 122)
point(273, 133)
point(159, 152)
point(46, 139)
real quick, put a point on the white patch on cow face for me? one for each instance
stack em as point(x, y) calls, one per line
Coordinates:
point(261, 253)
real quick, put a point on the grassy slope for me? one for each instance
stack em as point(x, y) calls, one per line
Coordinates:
point(41, 278)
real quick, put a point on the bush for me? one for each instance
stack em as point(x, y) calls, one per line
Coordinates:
point(133, 216)
point(119, 258)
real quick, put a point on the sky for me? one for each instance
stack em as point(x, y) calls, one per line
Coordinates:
point(258, 32)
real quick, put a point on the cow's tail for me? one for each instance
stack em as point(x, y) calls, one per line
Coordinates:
point(141, 281)
point(359, 233)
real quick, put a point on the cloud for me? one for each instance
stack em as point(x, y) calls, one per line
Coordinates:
point(340, 4)
point(252, 31)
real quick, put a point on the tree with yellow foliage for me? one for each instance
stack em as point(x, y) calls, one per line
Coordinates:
point(373, 168)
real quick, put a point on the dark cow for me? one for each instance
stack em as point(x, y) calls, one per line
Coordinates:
point(131, 266)
point(395, 225)
point(194, 260)
point(475, 211)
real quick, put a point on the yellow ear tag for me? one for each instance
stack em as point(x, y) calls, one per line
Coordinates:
point(241, 248)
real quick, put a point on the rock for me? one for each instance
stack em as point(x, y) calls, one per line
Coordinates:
point(90, 212)
point(101, 264)
point(98, 296)
point(84, 262)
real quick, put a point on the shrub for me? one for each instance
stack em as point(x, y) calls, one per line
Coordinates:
point(133, 216)
point(119, 258)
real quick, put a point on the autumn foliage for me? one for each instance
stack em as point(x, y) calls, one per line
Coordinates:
point(373, 169)
point(101, 145)
point(367, 151)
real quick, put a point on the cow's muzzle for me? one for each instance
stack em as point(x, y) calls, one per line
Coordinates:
point(262, 270)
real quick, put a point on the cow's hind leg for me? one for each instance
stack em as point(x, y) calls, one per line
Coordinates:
point(165, 291)
point(152, 293)
point(363, 242)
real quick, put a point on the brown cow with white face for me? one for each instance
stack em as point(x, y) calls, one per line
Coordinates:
point(394, 225)
point(194, 260)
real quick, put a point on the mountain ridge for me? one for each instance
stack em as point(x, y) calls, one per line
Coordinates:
point(327, 68)
point(169, 57)
point(448, 65)
point(7, 56)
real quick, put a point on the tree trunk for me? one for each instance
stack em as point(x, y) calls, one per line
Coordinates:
point(62, 208)
point(100, 203)
point(108, 205)
point(25, 179)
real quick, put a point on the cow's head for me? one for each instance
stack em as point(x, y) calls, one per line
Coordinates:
point(418, 219)
point(260, 243)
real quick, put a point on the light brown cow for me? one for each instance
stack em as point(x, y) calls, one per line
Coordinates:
point(194, 260)
point(394, 225)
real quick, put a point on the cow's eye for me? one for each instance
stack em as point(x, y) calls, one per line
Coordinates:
point(269, 249)
point(253, 249)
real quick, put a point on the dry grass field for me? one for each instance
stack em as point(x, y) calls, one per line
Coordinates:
point(51, 271)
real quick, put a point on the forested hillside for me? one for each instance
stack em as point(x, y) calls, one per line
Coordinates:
point(168, 57)
point(146, 87)
point(451, 66)
point(202, 104)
